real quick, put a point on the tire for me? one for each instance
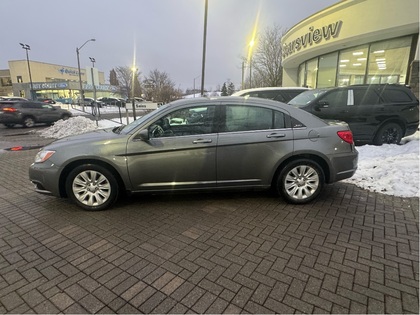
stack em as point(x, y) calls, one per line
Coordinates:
point(9, 125)
point(92, 187)
point(65, 117)
point(300, 181)
point(28, 122)
point(390, 133)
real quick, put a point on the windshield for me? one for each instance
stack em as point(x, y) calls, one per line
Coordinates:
point(133, 125)
point(304, 98)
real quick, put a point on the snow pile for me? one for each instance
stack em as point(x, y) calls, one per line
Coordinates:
point(72, 126)
point(390, 169)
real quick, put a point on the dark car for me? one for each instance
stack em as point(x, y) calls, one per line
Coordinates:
point(29, 113)
point(281, 94)
point(376, 113)
point(112, 101)
point(200, 144)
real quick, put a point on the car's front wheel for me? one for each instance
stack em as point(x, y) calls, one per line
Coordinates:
point(300, 181)
point(92, 187)
point(390, 133)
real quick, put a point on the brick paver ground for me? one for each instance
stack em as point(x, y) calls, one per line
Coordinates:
point(351, 251)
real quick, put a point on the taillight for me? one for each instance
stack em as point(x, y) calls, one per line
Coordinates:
point(346, 135)
point(9, 109)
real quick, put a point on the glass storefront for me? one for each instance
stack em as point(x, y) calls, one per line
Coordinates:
point(380, 62)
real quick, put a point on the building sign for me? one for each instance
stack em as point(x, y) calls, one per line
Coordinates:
point(314, 36)
point(50, 86)
point(68, 71)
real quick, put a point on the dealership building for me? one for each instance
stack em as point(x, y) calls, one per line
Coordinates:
point(52, 81)
point(354, 42)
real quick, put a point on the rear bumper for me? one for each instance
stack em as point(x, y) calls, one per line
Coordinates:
point(343, 166)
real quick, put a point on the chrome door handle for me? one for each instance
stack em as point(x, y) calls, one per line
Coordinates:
point(276, 135)
point(202, 141)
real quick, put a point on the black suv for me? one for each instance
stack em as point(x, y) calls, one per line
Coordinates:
point(376, 113)
point(28, 113)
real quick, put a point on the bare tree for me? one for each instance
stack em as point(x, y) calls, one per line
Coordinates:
point(159, 87)
point(267, 58)
point(125, 78)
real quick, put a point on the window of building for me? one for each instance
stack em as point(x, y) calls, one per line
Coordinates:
point(388, 61)
point(301, 75)
point(19, 79)
point(311, 73)
point(352, 65)
point(327, 71)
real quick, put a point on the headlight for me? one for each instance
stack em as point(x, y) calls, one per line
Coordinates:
point(42, 156)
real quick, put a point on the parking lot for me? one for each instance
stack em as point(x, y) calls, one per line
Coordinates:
point(351, 251)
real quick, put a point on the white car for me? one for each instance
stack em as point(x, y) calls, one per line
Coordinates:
point(281, 94)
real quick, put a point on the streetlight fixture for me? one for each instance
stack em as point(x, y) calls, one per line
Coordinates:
point(81, 94)
point(27, 47)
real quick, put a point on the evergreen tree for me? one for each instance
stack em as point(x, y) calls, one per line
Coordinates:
point(224, 90)
point(230, 88)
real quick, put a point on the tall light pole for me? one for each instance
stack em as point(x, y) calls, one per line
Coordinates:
point(204, 48)
point(81, 94)
point(27, 47)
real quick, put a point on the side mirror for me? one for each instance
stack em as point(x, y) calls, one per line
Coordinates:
point(143, 135)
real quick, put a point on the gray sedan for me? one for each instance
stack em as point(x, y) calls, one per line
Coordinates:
point(200, 144)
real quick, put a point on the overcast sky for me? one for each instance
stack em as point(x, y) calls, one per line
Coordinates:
point(162, 34)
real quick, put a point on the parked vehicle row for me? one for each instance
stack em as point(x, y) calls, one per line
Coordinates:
point(200, 144)
point(376, 113)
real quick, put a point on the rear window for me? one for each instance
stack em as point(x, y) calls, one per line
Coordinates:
point(397, 96)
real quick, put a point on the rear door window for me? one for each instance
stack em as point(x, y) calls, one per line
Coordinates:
point(365, 97)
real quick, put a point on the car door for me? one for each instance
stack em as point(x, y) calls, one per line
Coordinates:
point(252, 140)
point(180, 153)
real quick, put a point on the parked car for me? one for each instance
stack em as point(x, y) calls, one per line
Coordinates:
point(112, 101)
point(281, 94)
point(231, 143)
point(376, 113)
point(29, 113)
point(89, 101)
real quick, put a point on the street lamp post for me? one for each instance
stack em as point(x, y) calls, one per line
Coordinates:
point(204, 48)
point(81, 94)
point(27, 47)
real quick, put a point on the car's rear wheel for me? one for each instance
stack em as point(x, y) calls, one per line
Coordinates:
point(9, 125)
point(390, 133)
point(92, 187)
point(300, 181)
point(28, 122)
point(65, 117)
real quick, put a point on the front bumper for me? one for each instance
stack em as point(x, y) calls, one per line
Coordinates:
point(45, 176)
